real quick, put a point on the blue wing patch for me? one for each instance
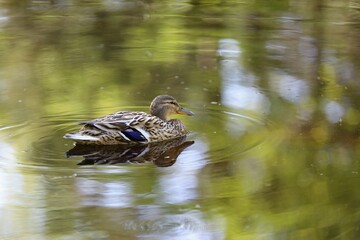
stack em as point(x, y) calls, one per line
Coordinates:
point(134, 135)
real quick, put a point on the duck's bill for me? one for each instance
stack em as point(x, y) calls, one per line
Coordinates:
point(184, 111)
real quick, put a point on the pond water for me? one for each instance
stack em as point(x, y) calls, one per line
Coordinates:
point(273, 149)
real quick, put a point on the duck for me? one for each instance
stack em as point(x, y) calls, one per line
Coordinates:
point(126, 127)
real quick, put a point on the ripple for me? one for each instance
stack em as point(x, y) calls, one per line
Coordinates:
point(229, 133)
point(179, 223)
point(220, 134)
point(9, 127)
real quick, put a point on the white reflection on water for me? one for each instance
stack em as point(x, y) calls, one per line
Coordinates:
point(229, 48)
point(242, 97)
point(21, 207)
point(289, 87)
point(334, 111)
point(113, 5)
point(107, 194)
point(12, 183)
point(189, 225)
point(238, 86)
point(3, 17)
point(179, 183)
point(155, 223)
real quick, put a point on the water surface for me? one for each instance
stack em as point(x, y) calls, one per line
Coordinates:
point(272, 151)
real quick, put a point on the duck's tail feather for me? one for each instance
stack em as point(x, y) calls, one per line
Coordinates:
point(80, 137)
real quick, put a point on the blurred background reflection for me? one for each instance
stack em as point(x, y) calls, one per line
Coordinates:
point(274, 86)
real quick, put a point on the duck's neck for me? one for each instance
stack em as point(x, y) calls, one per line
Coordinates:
point(160, 113)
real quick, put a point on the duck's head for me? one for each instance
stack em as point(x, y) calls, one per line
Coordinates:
point(163, 106)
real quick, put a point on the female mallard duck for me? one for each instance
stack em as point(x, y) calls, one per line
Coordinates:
point(134, 127)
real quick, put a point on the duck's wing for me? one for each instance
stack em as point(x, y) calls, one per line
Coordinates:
point(117, 117)
point(132, 126)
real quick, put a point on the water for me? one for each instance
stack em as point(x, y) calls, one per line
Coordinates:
point(272, 151)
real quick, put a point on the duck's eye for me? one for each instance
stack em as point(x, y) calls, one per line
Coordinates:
point(173, 103)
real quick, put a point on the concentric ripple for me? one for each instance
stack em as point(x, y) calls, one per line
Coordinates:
point(227, 133)
point(219, 134)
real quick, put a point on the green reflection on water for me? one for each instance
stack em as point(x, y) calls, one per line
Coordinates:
point(275, 91)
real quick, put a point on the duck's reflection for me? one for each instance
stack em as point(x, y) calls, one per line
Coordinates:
point(162, 154)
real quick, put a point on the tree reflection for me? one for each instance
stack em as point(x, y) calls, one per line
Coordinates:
point(291, 64)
